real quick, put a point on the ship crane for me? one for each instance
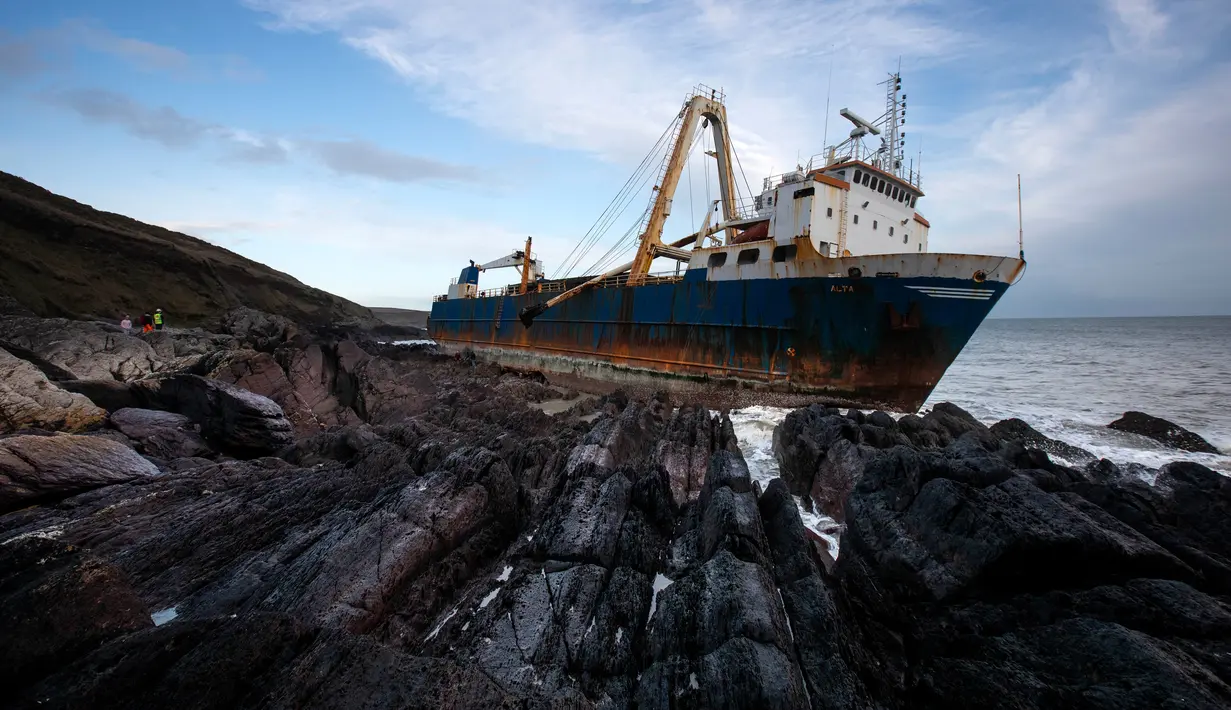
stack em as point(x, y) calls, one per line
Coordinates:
point(704, 108)
point(522, 260)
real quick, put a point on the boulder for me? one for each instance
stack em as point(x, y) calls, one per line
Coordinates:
point(803, 439)
point(262, 331)
point(1026, 435)
point(1163, 431)
point(29, 399)
point(837, 475)
point(35, 468)
point(161, 434)
point(231, 419)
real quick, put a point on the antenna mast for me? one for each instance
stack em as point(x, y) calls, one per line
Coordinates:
point(1021, 252)
point(892, 121)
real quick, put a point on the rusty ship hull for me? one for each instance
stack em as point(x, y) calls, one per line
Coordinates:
point(882, 340)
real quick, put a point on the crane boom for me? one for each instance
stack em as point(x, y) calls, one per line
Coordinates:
point(699, 106)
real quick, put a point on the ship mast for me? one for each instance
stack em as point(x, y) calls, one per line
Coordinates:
point(705, 104)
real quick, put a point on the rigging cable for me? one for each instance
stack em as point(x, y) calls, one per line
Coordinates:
point(625, 243)
point(737, 162)
point(608, 215)
point(614, 209)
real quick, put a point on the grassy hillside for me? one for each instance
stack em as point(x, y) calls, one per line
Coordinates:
point(59, 257)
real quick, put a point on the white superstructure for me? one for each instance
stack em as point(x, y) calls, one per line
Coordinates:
point(851, 200)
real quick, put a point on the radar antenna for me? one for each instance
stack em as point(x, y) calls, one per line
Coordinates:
point(862, 126)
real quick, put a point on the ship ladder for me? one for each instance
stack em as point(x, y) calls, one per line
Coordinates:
point(842, 222)
point(499, 314)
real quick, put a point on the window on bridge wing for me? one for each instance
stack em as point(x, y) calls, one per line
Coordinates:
point(717, 260)
point(748, 256)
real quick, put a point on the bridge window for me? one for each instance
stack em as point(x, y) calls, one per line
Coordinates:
point(858, 175)
point(828, 211)
point(866, 178)
point(748, 256)
point(785, 252)
point(880, 186)
point(717, 260)
point(896, 194)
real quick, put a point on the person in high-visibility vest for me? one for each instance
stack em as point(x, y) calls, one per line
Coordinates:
point(158, 319)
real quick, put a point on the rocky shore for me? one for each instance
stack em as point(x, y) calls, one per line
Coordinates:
point(264, 517)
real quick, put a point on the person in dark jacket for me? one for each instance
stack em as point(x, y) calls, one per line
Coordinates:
point(147, 323)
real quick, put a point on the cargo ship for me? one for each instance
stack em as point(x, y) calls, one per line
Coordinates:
point(819, 289)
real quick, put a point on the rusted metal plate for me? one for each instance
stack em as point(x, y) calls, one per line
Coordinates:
point(883, 342)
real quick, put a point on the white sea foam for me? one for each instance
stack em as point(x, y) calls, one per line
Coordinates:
point(1068, 379)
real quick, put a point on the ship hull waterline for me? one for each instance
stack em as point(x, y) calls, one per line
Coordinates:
point(866, 342)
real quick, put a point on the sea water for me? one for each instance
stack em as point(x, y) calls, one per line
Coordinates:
point(1068, 378)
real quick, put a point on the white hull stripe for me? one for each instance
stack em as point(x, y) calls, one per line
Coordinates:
point(944, 292)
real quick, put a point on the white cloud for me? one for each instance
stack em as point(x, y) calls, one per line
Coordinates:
point(606, 79)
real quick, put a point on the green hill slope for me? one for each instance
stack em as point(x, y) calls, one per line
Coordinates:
point(60, 258)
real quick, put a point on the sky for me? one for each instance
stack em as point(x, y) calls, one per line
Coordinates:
point(372, 147)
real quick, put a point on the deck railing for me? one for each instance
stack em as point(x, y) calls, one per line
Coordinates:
point(559, 286)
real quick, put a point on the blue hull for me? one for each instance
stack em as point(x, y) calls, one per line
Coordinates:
point(874, 342)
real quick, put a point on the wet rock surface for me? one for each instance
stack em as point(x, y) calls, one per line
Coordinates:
point(1026, 435)
point(1163, 431)
point(421, 536)
point(34, 468)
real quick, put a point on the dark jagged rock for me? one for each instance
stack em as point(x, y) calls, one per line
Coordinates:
point(161, 434)
point(803, 439)
point(449, 546)
point(1026, 435)
point(233, 420)
point(35, 468)
point(1163, 431)
point(836, 476)
point(57, 604)
point(257, 329)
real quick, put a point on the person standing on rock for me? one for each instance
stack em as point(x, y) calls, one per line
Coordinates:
point(147, 323)
point(158, 319)
point(127, 324)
